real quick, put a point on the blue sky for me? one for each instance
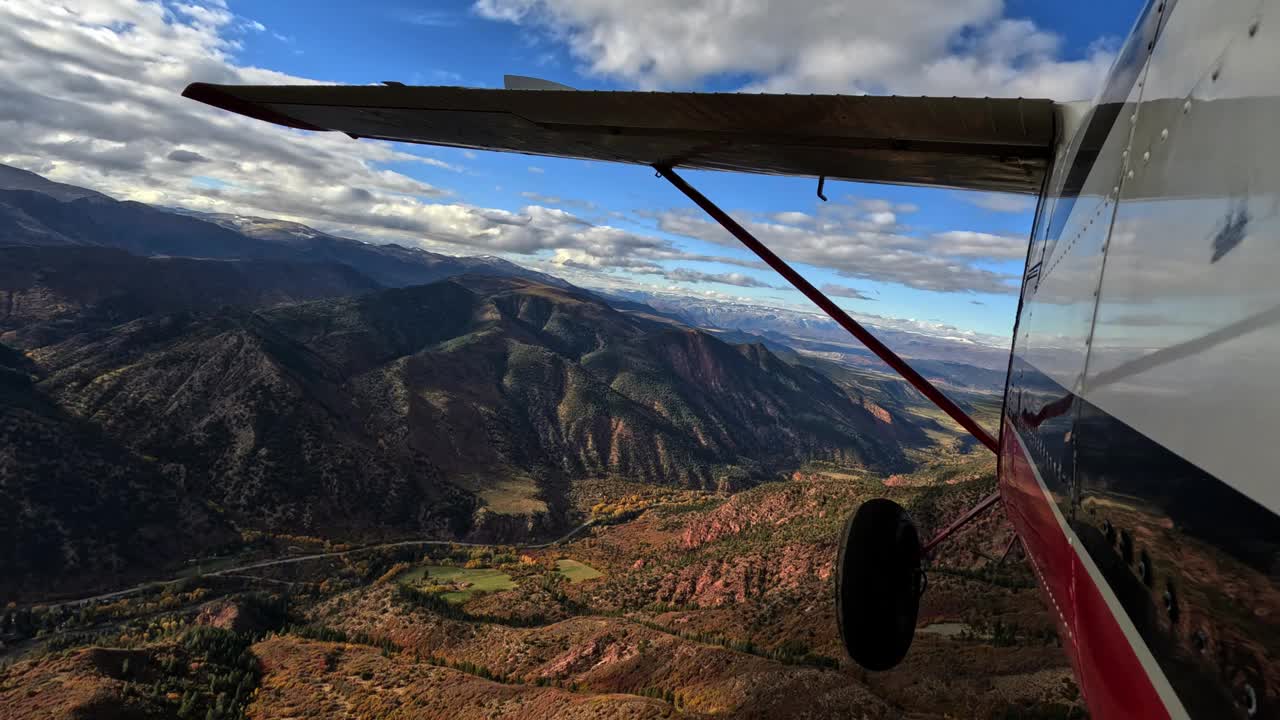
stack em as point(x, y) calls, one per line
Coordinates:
point(954, 248)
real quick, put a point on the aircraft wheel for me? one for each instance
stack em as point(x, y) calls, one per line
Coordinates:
point(878, 584)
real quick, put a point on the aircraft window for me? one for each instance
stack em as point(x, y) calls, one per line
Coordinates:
point(1144, 568)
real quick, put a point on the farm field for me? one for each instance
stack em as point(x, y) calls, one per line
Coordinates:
point(576, 571)
point(469, 579)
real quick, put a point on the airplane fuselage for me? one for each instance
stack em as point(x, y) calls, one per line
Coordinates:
point(1138, 447)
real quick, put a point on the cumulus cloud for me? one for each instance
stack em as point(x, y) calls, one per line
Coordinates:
point(856, 246)
point(793, 218)
point(186, 156)
point(844, 291)
point(1000, 202)
point(910, 47)
point(968, 243)
point(732, 278)
point(92, 97)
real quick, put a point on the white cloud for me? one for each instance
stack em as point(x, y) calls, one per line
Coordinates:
point(793, 218)
point(967, 243)
point(911, 47)
point(536, 170)
point(92, 97)
point(732, 278)
point(844, 291)
point(847, 239)
point(1000, 202)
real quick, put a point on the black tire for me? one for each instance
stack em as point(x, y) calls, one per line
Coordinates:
point(878, 584)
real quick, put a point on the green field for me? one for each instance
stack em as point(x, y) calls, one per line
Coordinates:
point(487, 579)
point(512, 494)
point(576, 571)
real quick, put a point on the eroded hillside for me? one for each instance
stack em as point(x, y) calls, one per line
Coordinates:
point(702, 605)
point(463, 409)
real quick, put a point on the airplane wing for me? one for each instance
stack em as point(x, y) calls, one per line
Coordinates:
point(971, 143)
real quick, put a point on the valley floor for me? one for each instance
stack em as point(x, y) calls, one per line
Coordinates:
point(674, 604)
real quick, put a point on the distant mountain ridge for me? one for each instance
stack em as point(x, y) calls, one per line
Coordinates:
point(416, 411)
point(810, 329)
point(36, 211)
point(12, 178)
point(48, 293)
point(411, 411)
point(176, 370)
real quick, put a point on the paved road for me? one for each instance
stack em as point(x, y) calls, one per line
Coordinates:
point(304, 558)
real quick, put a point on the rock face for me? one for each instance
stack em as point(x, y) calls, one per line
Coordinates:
point(86, 683)
point(746, 577)
point(269, 376)
point(285, 415)
point(742, 512)
point(232, 615)
point(366, 415)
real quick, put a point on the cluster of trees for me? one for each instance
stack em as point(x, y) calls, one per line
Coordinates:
point(26, 622)
point(231, 670)
point(1008, 634)
point(324, 633)
point(791, 652)
point(37, 621)
point(632, 504)
point(471, 668)
point(207, 672)
point(653, 692)
point(435, 603)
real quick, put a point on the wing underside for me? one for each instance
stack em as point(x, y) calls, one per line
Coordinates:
point(970, 143)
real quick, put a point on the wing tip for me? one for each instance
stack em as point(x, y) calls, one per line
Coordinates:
point(217, 96)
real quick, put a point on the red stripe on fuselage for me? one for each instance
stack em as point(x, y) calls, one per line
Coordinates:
point(1112, 678)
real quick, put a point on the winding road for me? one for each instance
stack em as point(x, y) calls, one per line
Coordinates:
point(304, 558)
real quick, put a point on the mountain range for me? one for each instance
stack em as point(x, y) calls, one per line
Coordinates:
point(37, 212)
point(184, 378)
point(818, 333)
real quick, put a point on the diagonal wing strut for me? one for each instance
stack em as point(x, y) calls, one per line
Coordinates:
point(856, 329)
